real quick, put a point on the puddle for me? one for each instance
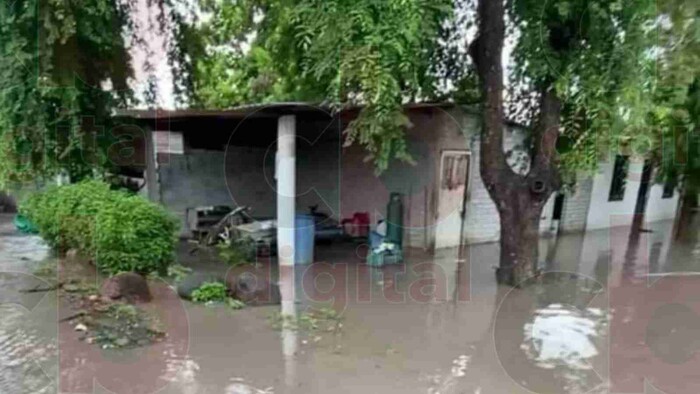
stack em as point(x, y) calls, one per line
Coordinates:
point(433, 325)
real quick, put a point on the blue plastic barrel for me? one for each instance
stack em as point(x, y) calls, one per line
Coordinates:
point(304, 233)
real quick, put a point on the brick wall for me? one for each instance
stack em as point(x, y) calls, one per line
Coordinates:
point(576, 206)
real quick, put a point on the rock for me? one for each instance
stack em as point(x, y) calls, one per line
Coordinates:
point(192, 282)
point(81, 327)
point(128, 286)
point(253, 289)
point(71, 288)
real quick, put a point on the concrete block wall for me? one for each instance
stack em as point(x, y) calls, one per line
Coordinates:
point(319, 178)
point(482, 223)
point(660, 208)
point(209, 177)
point(576, 205)
point(605, 213)
point(245, 176)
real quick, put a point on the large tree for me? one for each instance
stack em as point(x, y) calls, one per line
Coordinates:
point(64, 66)
point(677, 99)
point(582, 60)
point(578, 70)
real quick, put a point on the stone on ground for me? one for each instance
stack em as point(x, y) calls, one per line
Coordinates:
point(253, 289)
point(128, 286)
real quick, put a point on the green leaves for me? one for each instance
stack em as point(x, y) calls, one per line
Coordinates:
point(120, 232)
point(54, 56)
point(212, 292)
point(376, 54)
point(596, 54)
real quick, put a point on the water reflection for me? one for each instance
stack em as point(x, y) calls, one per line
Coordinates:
point(27, 336)
point(562, 336)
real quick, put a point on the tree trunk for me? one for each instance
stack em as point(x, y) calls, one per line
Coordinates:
point(687, 203)
point(520, 222)
point(519, 198)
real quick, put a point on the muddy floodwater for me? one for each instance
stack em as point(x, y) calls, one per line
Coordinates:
point(609, 313)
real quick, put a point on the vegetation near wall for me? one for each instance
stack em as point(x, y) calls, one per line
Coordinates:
point(120, 232)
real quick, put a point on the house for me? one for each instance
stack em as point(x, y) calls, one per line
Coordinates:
point(291, 156)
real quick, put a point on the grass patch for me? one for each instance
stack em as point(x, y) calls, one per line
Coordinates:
point(211, 293)
point(323, 319)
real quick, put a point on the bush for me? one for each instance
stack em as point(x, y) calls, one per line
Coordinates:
point(119, 231)
point(64, 215)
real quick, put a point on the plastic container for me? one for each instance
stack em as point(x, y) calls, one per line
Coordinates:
point(24, 225)
point(304, 234)
point(357, 226)
point(375, 239)
point(381, 259)
point(394, 219)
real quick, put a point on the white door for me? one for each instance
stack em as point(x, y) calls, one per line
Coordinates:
point(454, 180)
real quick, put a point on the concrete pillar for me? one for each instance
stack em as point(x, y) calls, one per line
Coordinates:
point(286, 188)
point(151, 175)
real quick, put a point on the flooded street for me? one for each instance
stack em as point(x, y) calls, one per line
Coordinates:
point(607, 314)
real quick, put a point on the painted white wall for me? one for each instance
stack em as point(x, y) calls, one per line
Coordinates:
point(547, 214)
point(603, 213)
point(576, 205)
point(659, 208)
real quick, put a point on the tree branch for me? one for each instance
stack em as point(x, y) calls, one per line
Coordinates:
point(544, 155)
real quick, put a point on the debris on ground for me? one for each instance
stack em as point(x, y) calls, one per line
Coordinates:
point(102, 314)
point(124, 326)
point(112, 324)
point(316, 320)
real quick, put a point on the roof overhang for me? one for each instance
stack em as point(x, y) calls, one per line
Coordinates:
point(268, 110)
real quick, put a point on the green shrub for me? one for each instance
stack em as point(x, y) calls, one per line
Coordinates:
point(121, 232)
point(210, 292)
point(64, 215)
point(132, 234)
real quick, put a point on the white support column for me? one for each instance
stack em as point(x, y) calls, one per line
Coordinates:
point(285, 172)
point(286, 188)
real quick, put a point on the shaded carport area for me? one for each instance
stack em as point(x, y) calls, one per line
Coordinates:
point(278, 159)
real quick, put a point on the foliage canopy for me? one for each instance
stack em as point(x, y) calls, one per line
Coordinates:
point(64, 66)
point(377, 54)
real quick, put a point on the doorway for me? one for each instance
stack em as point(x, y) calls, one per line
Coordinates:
point(452, 189)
